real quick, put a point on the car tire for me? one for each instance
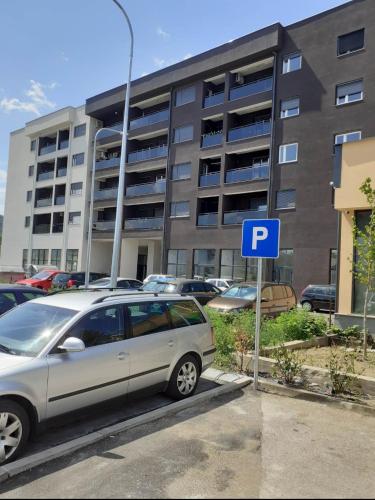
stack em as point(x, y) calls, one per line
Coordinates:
point(14, 430)
point(184, 379)
point(307, 306)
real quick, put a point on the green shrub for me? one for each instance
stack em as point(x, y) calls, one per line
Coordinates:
point(224, 336)
point(288, 365)
point(340, 365)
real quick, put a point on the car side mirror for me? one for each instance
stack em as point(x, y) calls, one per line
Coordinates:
point(72, 344)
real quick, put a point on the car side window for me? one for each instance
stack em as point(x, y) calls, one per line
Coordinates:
point(7, 301)
point(103, 326)
point(278, 292)
point(186, 288)
point(185, 313)
point(123, 284)
point(147, 318)
point(134, 284)
point(197, 287)
point(25, 296)
point(267, 293)
point(288, 292)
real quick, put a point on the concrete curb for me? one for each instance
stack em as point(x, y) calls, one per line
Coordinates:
point(24, 464)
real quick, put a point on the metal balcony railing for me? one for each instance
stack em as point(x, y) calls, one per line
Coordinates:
point(213, 100)
point(150, 119)
point(157, 187)
point(212, 179)
point(212, 139)
point(104, 225)
point(43, 202)
point(209, 219)
point(47, 149)
point(44, 176)
point(110, 163)
point(148, 153)
point(252, 88)
point(247, 174)
point(105, 194)
point(42, 229)
point(144, 223)
point(256, 129)
point(238, 216)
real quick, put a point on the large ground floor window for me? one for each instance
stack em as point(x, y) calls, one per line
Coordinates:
point(71, 260)
point(234, 266)
point(177, 263)
point(39, 257)
point(362, 218)
point(283, 266)
point(333, 266)
point(56, 258)
point(204, 263)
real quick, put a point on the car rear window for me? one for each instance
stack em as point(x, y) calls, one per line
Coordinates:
point(185, 313)
point(278, 292)
point(288, 291)
point(148, 317)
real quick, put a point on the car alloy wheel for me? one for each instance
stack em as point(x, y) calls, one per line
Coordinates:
point(187, 378)
point(10, 435)
point(307, 306)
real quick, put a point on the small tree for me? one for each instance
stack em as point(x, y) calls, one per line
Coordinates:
point(364, 262)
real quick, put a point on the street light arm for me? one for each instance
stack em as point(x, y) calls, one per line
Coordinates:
point(129, 25)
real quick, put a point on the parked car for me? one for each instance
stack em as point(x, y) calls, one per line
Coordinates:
point(316, 297)
point(67, 351)
point(276, 298)
point(159, 277)
point(14, 295)
point(126, 283)
point(202, 291)
point(42, 280)
point(70, 280)
point(220, 283)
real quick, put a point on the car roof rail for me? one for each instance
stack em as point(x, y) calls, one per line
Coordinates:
point(129, 294)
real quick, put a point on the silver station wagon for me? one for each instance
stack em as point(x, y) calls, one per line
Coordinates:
point(71, 350)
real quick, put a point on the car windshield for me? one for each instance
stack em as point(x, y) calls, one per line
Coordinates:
point(27, 329)
point(156, 286)
point(42, 275)
point(241, 292)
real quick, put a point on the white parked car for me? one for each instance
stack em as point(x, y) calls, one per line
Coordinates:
point(71, 350)
point(159, 277)
point(125, 283)
point(220, 283)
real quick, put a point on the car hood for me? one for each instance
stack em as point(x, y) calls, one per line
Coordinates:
point(29, 281)
point(8, 361)
point(229, 303)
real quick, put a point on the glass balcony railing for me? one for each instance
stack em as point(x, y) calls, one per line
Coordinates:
point(44, 176)
point(157, 187)
point(212, 179)
point(256, 129)
point(42, 229)
point(105, 194)
point(252, 88)
point(64, 144)
point(110, 163)
point(60, 200)
point(104, 225)
point(212, 139)
point(151, 119)
point(58, 228)
point(44, 150)
point(247, 174)
point(61, 172)
point(148, 153)
point(213, 100)
point(209, 219)
point(144, 223)
point(238, 216)
point(43, 202)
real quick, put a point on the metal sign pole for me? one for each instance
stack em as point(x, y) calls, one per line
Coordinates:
point(257, 323)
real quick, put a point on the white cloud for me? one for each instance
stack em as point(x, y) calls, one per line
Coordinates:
point(163, 33)
point(64, 57)
point(37, 102)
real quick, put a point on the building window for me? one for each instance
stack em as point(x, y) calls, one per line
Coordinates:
point(27, 221)
point(288, 153)
point(33, 145)
point(351, 42)
point(333, 266)
point(286, 199)
point(76, 188)
point(80, 130)
point(177, 263)
point(78, 159)
point(25, 254)
point(289, 108)
point(292, 62)
point(349, 92)
point(180, 209)
point(56, 258)
point(29, 196)
point(39, 257)
point(71, 260)
point(31, 170)
point(362, 219)
point(204, 263)
point(181, 171)
point(283, 267)
point(184, 96)
point(348, 137)
point(183, 134)
point(74, 218)
point(234, 266)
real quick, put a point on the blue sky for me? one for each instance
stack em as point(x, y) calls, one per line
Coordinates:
point(59, 52)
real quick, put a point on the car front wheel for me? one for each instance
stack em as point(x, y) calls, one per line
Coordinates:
point(307, 306)
point(184, 379)
point(14, 430)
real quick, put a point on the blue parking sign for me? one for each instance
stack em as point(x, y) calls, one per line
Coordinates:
point(261, 238)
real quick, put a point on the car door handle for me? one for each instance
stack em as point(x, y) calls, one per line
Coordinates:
point(122, 355)
point(171, 343)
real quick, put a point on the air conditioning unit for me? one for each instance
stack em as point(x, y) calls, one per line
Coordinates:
point(240, 78)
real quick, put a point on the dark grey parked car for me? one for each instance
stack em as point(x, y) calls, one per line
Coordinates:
point(316, 297)
point(13, 295)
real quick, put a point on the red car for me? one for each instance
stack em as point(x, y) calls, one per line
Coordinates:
point(42, 280)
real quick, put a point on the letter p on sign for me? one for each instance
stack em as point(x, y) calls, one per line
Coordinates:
point(259, 234)
point(260, 238)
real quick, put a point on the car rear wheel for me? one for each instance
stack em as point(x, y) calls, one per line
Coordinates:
point(14, 430)
point(307, 306)
point(184, 379)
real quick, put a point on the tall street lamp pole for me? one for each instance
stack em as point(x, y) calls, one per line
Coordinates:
point(121, 186)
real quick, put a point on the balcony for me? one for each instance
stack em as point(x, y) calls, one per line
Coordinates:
point(45, 176)
point(61, 172)
point(104, 225)
point(105, 194)
point(144, 224)
point(150, 119)
point(42, 229)
point(60, 200)
point(256, 129)
point(148, 153)
point(106, 164)
point(212, 139)
point(209, 219)
point(207, 180)
point(58, 228)
point(213, 100)
point(157, 187)
point(246, 174)
point(252, 88)
point(237, 217)
point(43, 202)
point(44, 150)
point(64, 144)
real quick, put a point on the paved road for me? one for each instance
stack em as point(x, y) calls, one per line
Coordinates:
point(240, 445)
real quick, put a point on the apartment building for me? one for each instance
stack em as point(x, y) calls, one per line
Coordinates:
point(46, 197)
point(245, 130)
